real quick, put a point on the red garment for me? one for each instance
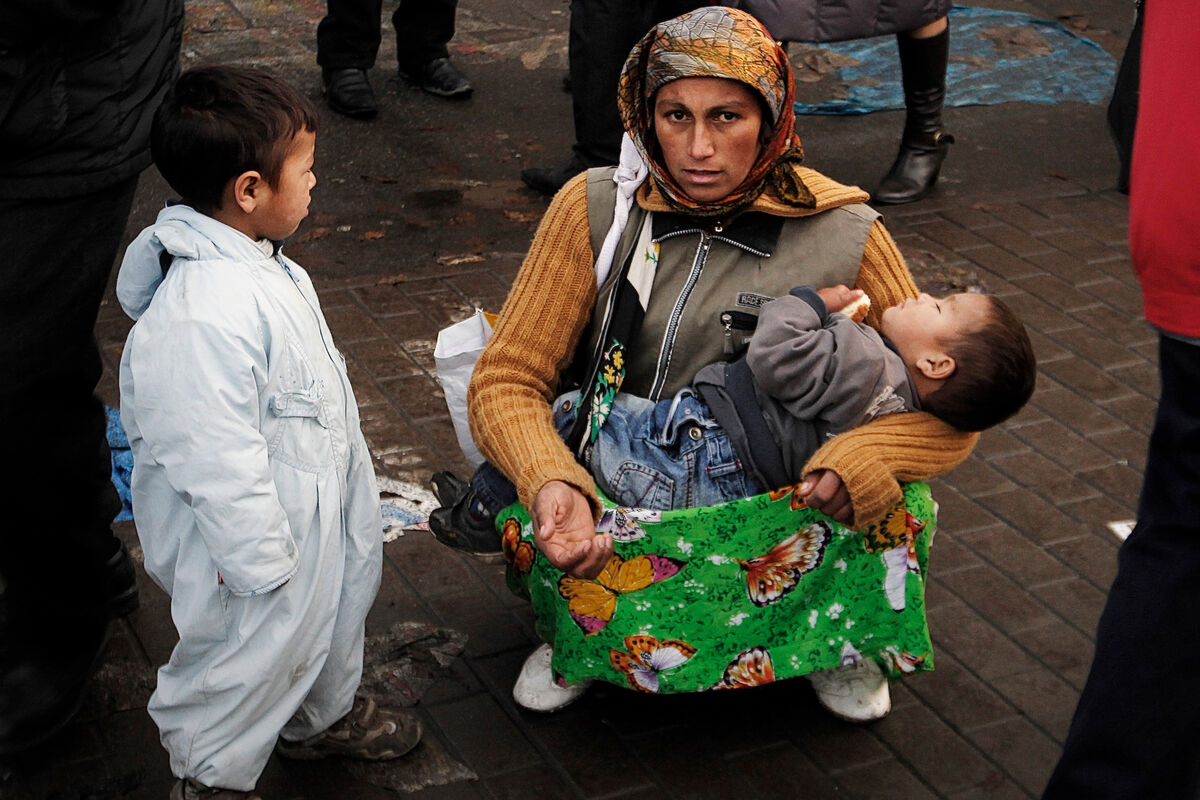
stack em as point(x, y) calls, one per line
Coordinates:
point(1165, 172)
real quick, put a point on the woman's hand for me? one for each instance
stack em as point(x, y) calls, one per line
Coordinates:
point(824, 491)
point(838, 297)
point(565, 531)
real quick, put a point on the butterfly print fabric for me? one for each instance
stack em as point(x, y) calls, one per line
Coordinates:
point(734, 596)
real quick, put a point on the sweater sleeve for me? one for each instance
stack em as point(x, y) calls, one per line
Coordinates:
point(873, 459)
point(534, 341)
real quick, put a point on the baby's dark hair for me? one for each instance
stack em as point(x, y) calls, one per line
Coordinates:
point(220, 121)
point(994, 375)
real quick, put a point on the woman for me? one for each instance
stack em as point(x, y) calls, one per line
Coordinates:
point(727, 218)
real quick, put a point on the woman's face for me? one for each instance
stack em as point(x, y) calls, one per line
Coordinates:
point(709, 130)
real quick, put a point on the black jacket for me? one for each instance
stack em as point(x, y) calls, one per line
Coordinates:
point(79, 83)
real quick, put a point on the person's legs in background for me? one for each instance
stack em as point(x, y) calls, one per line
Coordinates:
point(1136, 729)
point(924, 56)
point(423, 28)
point(602, 32)
point(63, 572)
point(347, 42)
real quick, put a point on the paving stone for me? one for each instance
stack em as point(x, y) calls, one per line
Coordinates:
point(781, 772)
point(1040, 315)
point(1064, 650)
point(883, 779)
point(1074, 411)
point(925, 743)
point(959, 697)
point(1003, 264)
point(1135, 410)
point(420, 396)
point(484, 736)
point(1077, 601)
point(997, 598)
point(975, 642)
point(1083, 342)
point(1087, 379)
point(588, 753)
point(1093, 557)
point(1039, 474)
point(956, 511)
point(1020, 559)
point(1025, 753)
point(1063, 446)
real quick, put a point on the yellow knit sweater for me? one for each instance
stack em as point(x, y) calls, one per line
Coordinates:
point(551, 303)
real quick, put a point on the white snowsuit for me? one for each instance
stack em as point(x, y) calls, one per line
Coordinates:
point(253, 493)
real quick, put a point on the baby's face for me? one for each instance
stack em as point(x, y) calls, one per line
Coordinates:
point(928, 322)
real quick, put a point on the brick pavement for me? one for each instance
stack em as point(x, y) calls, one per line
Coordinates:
point(1019, 568)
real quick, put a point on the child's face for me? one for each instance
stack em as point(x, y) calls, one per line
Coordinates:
point(281, 209)
point(927, 323)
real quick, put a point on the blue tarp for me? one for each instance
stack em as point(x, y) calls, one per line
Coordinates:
point(995, 57)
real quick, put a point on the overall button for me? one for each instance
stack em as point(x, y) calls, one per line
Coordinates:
point(695, 434)
point(565, 406)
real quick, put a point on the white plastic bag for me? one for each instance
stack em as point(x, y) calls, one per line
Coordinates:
point(457, 349)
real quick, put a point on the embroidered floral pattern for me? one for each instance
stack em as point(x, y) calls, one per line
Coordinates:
point(608, 380)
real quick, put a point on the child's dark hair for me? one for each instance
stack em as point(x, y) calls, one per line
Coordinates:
point(220, 121)
point(994, 375)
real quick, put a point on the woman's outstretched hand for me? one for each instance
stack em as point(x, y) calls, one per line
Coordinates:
point(824, 491)
point(565, 532)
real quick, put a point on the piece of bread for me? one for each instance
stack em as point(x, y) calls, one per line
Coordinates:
point(858, 309)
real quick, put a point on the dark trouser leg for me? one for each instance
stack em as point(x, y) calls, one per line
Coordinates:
point(423, 28)
point(602, 33)
point(924, 144)
point(56, 535)
point(348, 36)
point(1136, 731)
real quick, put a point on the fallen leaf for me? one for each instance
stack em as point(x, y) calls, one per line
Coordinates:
point(314, 234)
point(453, 261)
point(372, 235)
point(392, 280)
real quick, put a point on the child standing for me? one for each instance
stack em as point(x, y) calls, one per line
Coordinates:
point(257, 507)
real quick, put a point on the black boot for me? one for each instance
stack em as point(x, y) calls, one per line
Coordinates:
point(924, 144)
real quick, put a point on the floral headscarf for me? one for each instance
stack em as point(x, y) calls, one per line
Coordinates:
point(716, 42)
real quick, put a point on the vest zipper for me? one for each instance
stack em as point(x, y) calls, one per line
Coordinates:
point(672, 329)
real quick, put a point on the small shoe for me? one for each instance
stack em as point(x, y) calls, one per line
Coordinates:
point(367, 733)
point(455, 526)
point(448, 488)
point(537, 689)
point(122, 582)
point(548, 180)
point(188, 789)
point(440, 77)
point(349, 92)
point(857, 692)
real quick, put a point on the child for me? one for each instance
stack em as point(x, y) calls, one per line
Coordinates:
point(750, 426)
point(256, 501)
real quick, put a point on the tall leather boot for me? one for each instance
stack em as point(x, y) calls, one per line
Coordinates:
point(924, 144)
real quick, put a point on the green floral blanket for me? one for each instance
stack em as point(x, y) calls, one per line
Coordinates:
point(735, 595)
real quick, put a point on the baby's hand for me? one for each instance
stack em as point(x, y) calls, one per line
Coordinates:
point(854, 303)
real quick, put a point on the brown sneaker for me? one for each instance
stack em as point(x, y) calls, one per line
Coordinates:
point(188, 789)
point(367, 733)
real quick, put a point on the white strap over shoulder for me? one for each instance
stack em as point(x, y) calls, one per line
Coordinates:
point(631, 173)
